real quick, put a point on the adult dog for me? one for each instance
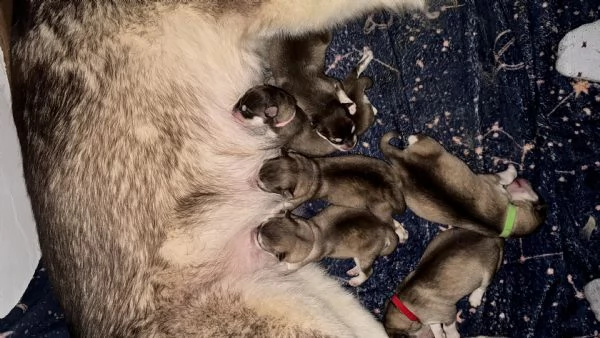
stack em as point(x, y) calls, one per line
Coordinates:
point(141, 186)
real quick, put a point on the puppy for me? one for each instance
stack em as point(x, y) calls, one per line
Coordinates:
point(335, 232)
point(456, 263)
point(297, 66)
point(269, 110)
point(439, 187)
point(354, 181)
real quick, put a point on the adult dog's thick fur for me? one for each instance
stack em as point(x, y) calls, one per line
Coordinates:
point(142, 188)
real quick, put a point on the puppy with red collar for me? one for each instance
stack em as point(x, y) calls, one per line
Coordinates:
point(455, 264)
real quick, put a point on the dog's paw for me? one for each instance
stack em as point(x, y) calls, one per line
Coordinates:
point(476, 297)
point(365, 60)
point(401, 232)
point(508, 176)
point(358, 280)
point(412, 139)
point(355, 271)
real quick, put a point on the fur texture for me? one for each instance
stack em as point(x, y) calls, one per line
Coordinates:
point(456, 263)
point(142, 188)
point(336, 232)
point(441, 188)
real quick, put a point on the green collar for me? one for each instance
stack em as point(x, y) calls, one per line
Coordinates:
point(509, 222)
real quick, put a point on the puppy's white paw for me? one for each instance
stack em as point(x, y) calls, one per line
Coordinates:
point(512, 170)
point(355, 271)
point(508, 176)
point(358, 280)
point(412, 139)
point(352, 109)
point(476, 297)
point(401, 232)
point(365, 60)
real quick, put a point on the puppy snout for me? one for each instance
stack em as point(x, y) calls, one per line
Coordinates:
point(348, 145)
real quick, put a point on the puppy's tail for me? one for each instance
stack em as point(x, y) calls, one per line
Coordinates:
point(388, 150)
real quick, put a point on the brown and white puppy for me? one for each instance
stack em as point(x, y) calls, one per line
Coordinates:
point(456, 263)
point(441, 188)
point(267, 108)
point(335, 232)
point(354, 181)
point(271, 111)
point(297, 65)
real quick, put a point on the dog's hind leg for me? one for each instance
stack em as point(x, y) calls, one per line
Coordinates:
point(364, 266)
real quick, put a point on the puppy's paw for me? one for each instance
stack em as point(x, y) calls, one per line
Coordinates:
point(401, 232)
point(476, 297)
point(508, 176)
point(355, 271)
point(365, 60)
point(358, 280)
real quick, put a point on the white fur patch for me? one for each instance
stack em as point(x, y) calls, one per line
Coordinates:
point(365, 60)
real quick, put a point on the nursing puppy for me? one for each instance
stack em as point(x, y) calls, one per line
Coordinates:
point(335, 232)
point(441, 188)
point(142, 184)
point(273, 112)
point(456, 263)
point(338, 111)
point(353, 181)
point(267, 108)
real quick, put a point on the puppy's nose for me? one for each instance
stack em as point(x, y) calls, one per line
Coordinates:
point(350, 144)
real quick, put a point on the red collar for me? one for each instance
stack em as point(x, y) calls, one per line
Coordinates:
point(404, 309)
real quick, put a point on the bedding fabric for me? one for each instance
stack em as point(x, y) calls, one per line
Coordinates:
point(478, 76)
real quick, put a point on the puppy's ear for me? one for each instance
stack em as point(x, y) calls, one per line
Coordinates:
point(272, 111)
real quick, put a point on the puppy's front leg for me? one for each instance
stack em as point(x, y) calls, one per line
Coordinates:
point(364, 269)
point(451, 331)
point(438, 331)
point(299, 16)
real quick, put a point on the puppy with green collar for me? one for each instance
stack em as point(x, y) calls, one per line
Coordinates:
point(441, 188)
point(456, 263)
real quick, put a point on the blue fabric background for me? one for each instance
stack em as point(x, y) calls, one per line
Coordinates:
point(479, 76)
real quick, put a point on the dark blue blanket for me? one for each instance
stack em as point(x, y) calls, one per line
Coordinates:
point(477, 75)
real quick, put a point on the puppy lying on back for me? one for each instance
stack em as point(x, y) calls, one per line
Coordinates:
point(326, 110)
point(456, 263)
point(335, 232)
point(439, 187)
point(353, 181)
